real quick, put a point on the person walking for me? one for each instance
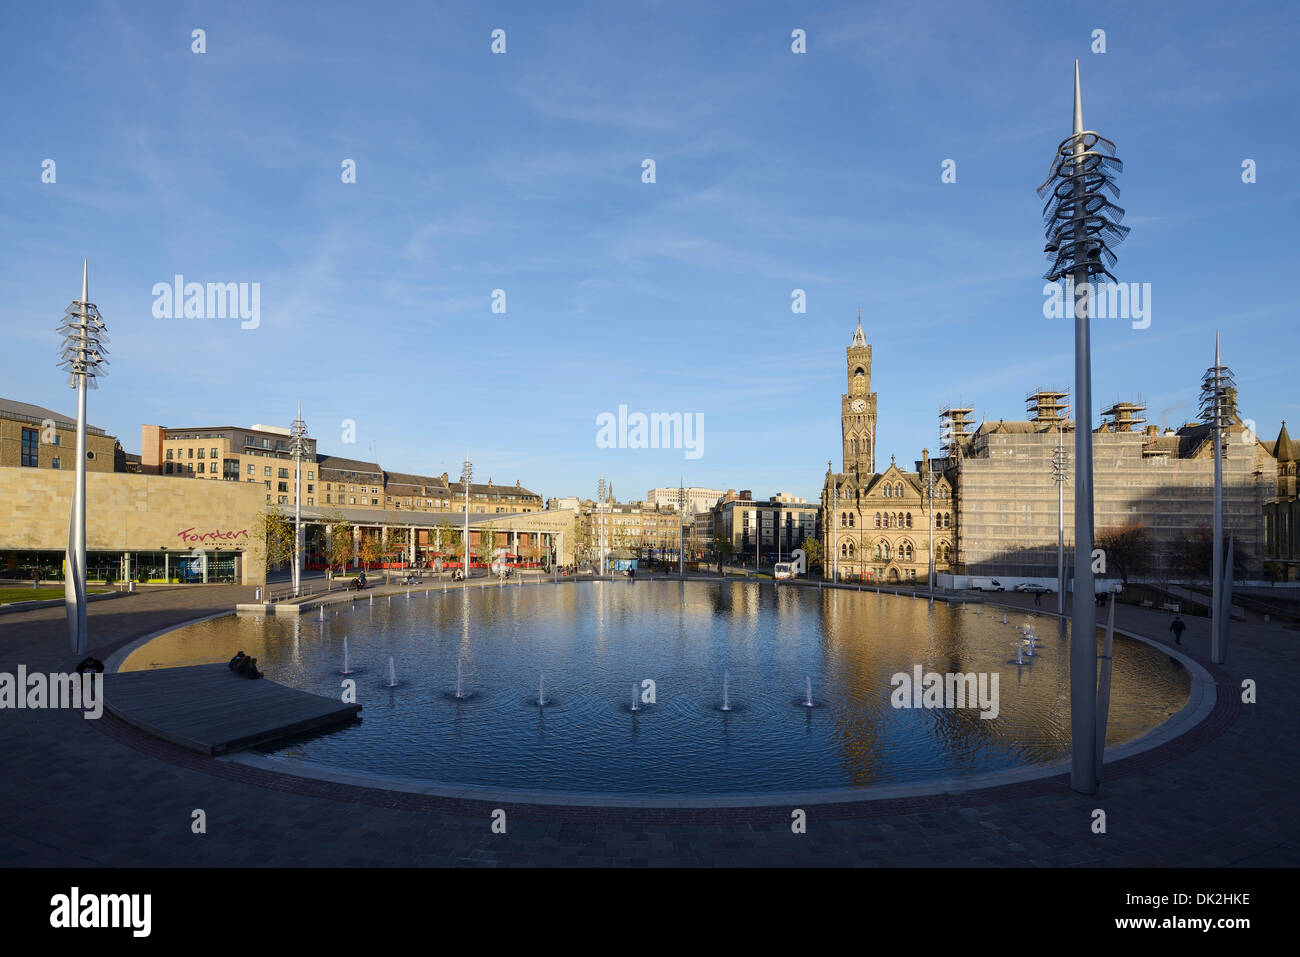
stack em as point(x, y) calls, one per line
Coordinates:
point(1177, 627)
point(1038, 599)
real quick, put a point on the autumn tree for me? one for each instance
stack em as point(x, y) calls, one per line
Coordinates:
point(273, 536)
point(812, 550)
point(339, 539)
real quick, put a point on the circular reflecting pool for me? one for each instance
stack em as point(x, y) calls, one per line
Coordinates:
point(689, 650)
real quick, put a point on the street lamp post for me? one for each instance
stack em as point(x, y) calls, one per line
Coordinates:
point(929, 490)
point(84, 339)
point(298, 446)
point(1080, 219)
point(835, 533)
point(466, 476)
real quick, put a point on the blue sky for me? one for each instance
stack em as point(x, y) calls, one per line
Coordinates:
point(523, 172)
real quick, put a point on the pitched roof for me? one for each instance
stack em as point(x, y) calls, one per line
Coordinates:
point(26, 412)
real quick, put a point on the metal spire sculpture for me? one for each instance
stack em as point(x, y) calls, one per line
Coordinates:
point(84, 338)
point(1082, 223)
point(1218, 390)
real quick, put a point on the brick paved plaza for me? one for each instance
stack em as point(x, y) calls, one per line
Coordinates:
point(87, 793)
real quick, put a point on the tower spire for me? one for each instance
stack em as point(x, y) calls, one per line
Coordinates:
point(1078, 101)
point(858, 338)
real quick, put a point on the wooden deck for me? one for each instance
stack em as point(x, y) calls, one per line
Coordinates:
point(212, 710)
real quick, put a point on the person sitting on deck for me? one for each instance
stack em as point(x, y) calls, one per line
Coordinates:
point(234, 662)
point(247, 668)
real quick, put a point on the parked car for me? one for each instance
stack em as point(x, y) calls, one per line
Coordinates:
point(1035, 588)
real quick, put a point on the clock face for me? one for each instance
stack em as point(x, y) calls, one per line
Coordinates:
point(858, 405)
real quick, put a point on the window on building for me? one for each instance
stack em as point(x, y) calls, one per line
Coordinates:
point(169, 455)
point(909, 519)
point(352, 500)
point(311, 488)
point(284, 473)
point(311, 475)
point(266, 470)
point(282, 486)
point(268, 486)
point(169, 468)
point(310, 502)
point(200, 465)
point(214, 454)
point(283, 500)
point(31, 454)
point(54, 463)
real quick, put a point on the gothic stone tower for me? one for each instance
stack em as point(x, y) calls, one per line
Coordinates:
point(858, 410)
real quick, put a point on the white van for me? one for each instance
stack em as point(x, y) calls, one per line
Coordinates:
point(782, 570)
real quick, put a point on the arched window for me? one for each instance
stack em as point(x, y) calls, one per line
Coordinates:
point(877, 520)
point(844, 551)
point(938, 520)
point(850, 549)
point(853, 446)
point(907, 551)
point(909, 519)
point(947, 520)
point(844, 520)
point(886, 491)
point(850, 519)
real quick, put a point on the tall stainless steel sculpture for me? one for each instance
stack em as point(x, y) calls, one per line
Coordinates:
point(84, 347)
point(1218, 391)
point(1082, 225)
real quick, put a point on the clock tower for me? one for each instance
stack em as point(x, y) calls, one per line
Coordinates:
point(858, 409)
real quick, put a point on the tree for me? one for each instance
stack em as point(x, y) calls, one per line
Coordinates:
point(724, 548)
point(812, 550)
point(487, 543)
point(1192, 555)
point(372, 549)
point(1127, 550)
point(448, 541)
point(339, 549)
point(273, 537)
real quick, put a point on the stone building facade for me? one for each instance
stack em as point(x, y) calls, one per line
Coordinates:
point(875, 526)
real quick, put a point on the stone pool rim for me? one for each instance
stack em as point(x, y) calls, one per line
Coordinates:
point(1201, 702)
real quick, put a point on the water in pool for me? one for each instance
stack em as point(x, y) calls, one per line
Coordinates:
point(760, 650)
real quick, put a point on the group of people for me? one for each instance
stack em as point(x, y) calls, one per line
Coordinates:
point(244, 666)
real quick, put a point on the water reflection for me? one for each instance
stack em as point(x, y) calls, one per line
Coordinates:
point(591, 640)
